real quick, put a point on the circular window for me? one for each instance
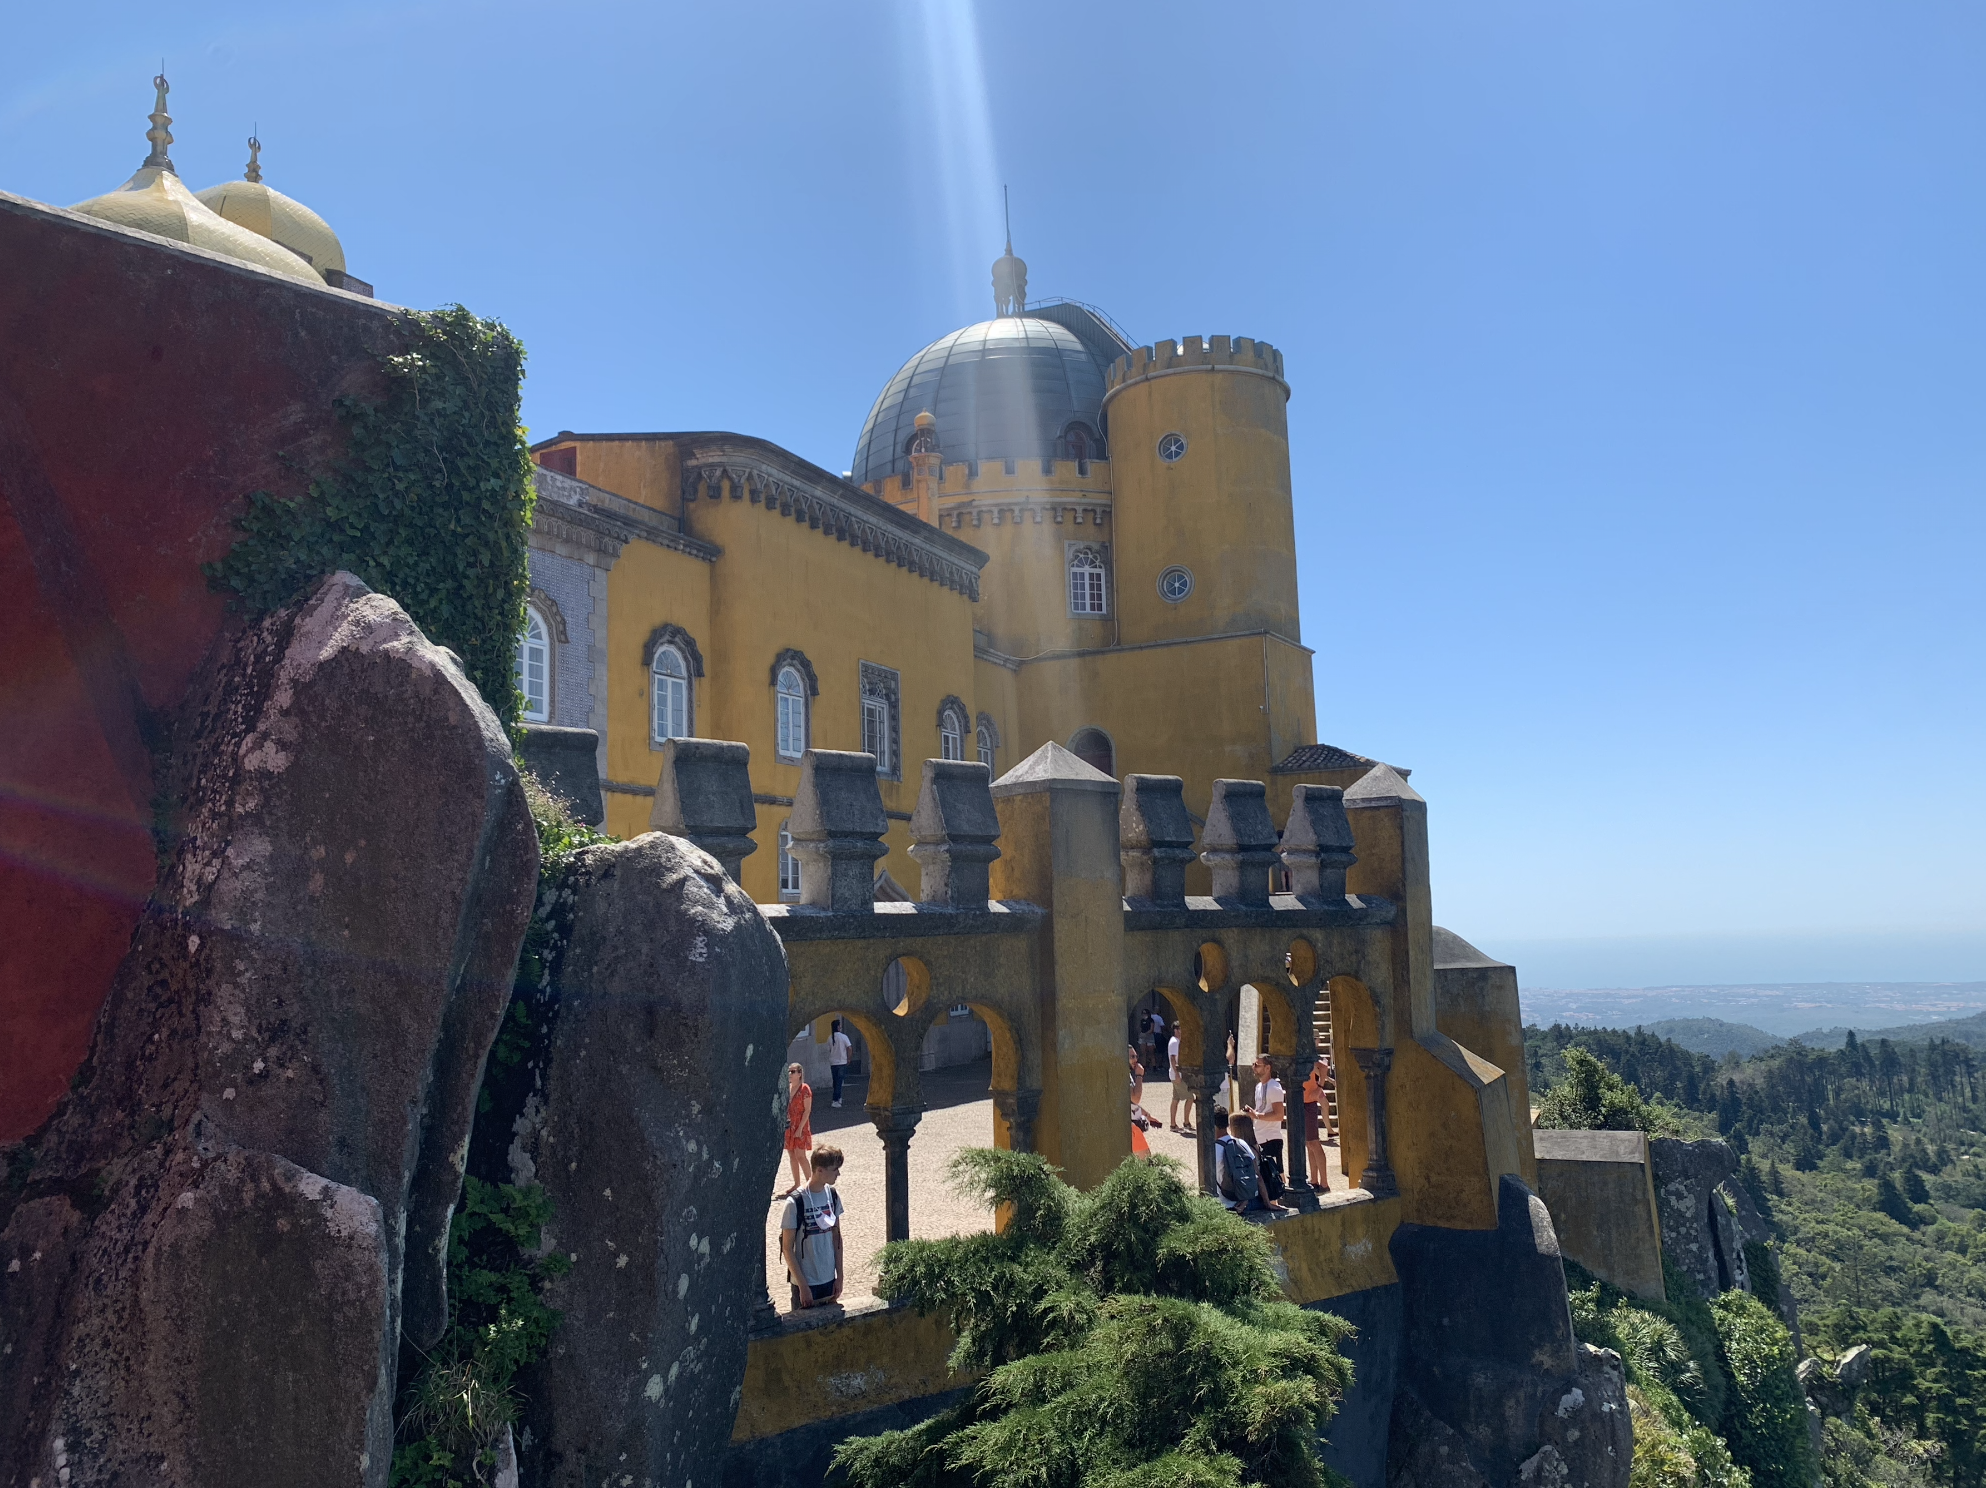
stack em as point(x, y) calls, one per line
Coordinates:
point(1172, 447)
point(1175, 584)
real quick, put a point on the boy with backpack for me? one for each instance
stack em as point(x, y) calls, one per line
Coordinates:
point(810, 1234)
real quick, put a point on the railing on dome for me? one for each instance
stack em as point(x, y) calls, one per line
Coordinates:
point(1115, 329)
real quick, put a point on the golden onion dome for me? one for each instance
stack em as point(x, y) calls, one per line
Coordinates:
point(266, 211)
point(156, 201)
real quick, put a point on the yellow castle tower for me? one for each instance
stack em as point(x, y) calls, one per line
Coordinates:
point(1140, 602)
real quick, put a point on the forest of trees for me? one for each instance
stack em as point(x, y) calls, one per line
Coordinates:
point(1870, 1163)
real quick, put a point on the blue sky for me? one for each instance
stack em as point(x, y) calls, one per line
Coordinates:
point(1638, 355)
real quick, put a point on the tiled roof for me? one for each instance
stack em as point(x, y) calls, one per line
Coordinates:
point(1309, 757)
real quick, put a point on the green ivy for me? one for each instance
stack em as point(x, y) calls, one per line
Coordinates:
point(430, 504)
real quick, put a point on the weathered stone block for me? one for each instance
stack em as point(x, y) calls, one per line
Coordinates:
point(954, 832)
point(837, 828)
point(1239, 843)
point(705, 794)
point(1317, 842)
point(567, 763)
point(1155, 841)
point(655, 1133)
point(297, 1032)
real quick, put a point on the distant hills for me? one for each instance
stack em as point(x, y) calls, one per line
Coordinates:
point(1775, 1010)
point(1717, 1037)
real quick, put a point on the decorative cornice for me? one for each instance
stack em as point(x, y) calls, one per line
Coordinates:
point(585, 514)
point(748, 470)
point(796, 659)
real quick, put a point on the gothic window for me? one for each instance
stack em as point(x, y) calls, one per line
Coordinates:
point(791, 691)
point(881, 723)
point(669, 694)
point(1086, 581)
point(987, 737)
point(951, 729)
point(534, 666)
point(789, 866)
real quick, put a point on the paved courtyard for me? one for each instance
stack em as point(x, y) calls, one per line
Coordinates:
point(959, 1113)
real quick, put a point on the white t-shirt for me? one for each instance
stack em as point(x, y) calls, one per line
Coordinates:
point(815, 1216)
point(1268, 1095)
point(1172, 1056)
point(838, 1048)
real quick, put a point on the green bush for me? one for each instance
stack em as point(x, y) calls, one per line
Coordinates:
point(1592, 1097)
point(1135, 1336)
point(1765, 1416)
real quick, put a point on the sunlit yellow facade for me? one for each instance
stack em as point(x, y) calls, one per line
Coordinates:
point(1110, 565)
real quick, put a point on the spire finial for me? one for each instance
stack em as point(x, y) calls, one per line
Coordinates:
point(160, 134)
point(254, 171)
point(1009, 272)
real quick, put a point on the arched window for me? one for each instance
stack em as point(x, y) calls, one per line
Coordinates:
point(1078, 439)
point(791, 692)
point(534, 666)
point(986, 746)
point(1093, 747)
point(952, 727)
point(1086, 591)
point(789, 866)
point(669, 694)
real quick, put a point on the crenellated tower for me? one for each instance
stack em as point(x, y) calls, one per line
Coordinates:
point(1205, 529)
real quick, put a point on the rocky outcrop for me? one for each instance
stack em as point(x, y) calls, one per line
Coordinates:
point(1695, 1187)
point(654, 1126)
point(1494, 1389)
point(1708, 1217)
point(209, 1246)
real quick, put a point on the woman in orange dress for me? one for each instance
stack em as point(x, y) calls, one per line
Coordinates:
point(799, 1127)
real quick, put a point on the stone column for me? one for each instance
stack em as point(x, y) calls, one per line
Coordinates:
point(1317, 844)
point(1154, 841)
point(953, 833)
point(1203, 1084)
point(1018, 1108)
point(895, 1125)
point(765, 1316)
point(1293, 1070)
point(704, 793)
point(837, 827)
point(1239, 843)
point(1377, 1179)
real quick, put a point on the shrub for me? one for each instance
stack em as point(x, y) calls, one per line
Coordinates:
point(1592, 1097)
point(1135, 1336)
point(1765, 1416)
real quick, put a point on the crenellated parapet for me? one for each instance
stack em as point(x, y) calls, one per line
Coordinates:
point(1195, 354)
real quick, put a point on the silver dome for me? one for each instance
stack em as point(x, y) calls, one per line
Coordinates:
point(1005, 389)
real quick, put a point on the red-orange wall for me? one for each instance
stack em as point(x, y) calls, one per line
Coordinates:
point(145, 388)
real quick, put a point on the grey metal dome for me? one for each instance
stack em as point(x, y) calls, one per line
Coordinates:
point(1005, 389)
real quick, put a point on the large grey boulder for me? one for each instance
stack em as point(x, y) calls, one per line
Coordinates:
point(207, 1248)
point(655, 1129)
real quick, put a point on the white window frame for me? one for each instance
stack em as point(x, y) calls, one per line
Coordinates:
point(789, 866)
point(951, 735)
point(1089, 583)
point(876, 732)
point(983, 737)
point(790, 723)
point(668, 695)
point(537, 637)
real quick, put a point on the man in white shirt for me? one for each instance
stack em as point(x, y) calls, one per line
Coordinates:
point(838, 1047)
point(1181, 1096)
point(1269, 1108)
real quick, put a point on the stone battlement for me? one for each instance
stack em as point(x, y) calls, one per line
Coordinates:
point(1194, 353)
